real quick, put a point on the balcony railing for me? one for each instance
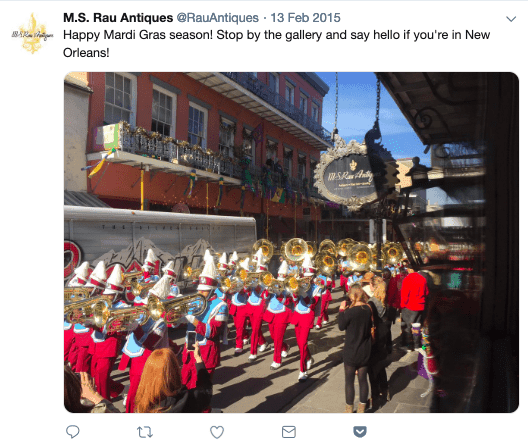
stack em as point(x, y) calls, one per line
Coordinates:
point(170, 150)
point(265, 92)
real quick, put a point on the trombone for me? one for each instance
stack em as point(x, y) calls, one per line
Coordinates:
point(172, 310)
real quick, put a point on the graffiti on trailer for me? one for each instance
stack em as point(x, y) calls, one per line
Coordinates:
point(131, 258)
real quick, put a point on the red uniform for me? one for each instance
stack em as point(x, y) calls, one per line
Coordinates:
point(278, 317)
point(326, 298)
point(104, 354)
point(238, 308)
point(256, 309)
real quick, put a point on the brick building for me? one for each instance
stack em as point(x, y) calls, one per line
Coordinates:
point(257, 134)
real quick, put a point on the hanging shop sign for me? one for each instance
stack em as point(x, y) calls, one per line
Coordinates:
point(349, 175)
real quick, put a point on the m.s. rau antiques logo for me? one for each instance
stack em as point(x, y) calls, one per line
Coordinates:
point(32, 35)
point(353, 165)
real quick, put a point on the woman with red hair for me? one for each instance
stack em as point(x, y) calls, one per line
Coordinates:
point(161, 389)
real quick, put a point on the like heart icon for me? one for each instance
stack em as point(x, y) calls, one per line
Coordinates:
point(217, 431)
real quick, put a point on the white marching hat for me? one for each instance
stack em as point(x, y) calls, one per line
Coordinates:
point(162, 288)
point(169, 269)
point(207, 256)
point(260, 261)
point(222, 263)
point(98, 276)
point(208, 276)
point(114, 284)
point(257, 254)
point(308, 267)
point(81, 275)
point(233, 259)
point(283, 270)
point(150, 261)
point(245, 264)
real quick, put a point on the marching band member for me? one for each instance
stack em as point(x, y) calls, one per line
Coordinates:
point(148, 268)
point(143, 340)
point(105, 348)
point(239, 310)
point(80, 278)
point(278, 316)
point(83, 339)
point(303, 319)
point(209, 327)
point(233, 260)
point(326, 298)
point(256, 306)
point(169, 271)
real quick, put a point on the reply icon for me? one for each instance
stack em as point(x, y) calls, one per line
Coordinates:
point(72, 431)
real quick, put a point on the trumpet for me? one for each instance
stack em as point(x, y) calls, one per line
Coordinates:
point(191, 274)
point(76, 294)
point(81, 312)
point(118, 319)
point(176, 308)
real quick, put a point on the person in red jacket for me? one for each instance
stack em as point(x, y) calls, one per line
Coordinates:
point(414, 292)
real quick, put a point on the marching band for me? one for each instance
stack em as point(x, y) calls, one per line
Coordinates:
point(130, 313)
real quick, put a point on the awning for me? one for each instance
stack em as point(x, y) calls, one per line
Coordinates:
point(82, 199)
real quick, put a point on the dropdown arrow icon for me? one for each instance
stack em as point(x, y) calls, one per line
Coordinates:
point(511, 20)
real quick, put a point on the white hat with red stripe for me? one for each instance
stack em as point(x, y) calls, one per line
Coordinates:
point(162, 288)
point(283, 270)
point(222, 263)
point(81, 275)
point(308, 267)
point(150, 261)
point(260, 261)
point(114, 284)
point(208, 276)
point(245, 264)
point(169, 270)
point(233, 259)
point(257, 254)
point(98, 276)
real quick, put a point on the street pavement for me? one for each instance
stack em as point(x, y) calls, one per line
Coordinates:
point(244, 386)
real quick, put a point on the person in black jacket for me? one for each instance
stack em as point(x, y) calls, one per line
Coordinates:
point(355, 319)
point(379, 386)
point(161, 391)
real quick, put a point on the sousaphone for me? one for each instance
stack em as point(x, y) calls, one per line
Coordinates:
point(267, 250)
point(393, 253)
point(329, 246)
point(295, 250)
point(359, 257)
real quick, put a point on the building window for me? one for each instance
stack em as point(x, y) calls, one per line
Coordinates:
point(274, 82)
point(197, 125)
point(248, 144)
point(163, 112)
point(301, 162)
point(120, 98)
point(315, 112)
point(271, 153)
point(313, 164)
point(290, 93)
point(227, 137)
point(288, 161)
point(303, 105)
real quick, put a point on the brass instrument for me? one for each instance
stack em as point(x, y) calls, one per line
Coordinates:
point(253, 279)
point(343, 245)
point(176, 308)
point(291, 284)
point(81, 312)
point(130, 277)
point(303, 284)
point(191, 274)
point(267, 250)
point(295, 250)
point(141, 289)
point(231, 285)
point(312, 248)
point(118, 319)
point(329, 246)
point(393, 253)
point(276, 286)
point(76, 294)
point(359, 257)
point(326, 263)
point(374, 258)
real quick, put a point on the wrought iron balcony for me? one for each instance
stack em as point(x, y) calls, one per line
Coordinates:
point(263, 91)
point(178, 152)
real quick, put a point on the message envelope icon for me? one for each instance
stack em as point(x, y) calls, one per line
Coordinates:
point(288, 432)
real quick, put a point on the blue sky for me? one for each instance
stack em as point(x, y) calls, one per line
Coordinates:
point(357, 111)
